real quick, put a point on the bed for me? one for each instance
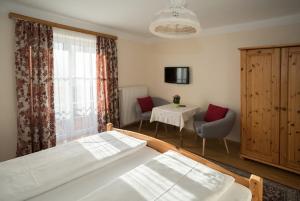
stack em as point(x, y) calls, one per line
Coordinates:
point(149, 169)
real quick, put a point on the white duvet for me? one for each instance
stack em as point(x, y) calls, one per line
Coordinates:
point(167, 177)
point(30, 175)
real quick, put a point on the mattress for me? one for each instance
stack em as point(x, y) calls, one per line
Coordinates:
point(88, 184)
point(36, 173)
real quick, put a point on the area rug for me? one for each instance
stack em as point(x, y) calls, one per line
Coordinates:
point(272, 191)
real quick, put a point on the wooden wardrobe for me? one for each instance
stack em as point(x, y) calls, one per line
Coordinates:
point(270, 105)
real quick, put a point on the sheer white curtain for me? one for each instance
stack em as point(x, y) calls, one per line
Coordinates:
point(74, 85)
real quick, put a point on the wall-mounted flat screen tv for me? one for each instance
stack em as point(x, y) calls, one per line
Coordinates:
point(177, 75)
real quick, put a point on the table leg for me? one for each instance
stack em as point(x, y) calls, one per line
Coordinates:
point(196, 137)
point(140, 127)
point(156, 129)
point(175, 129)
point(166, 129)
point(181, 138)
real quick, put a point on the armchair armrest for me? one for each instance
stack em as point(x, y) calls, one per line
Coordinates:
point(199, 116)
point(159, 101)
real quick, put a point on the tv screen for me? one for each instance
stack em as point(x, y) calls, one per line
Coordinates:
point(177, 75)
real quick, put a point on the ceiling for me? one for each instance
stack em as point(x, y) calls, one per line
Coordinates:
point(134, 16)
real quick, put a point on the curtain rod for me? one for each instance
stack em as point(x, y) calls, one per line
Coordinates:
point(12, 15)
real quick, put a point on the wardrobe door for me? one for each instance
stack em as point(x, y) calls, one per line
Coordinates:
point(260, 104)
point(290, 108)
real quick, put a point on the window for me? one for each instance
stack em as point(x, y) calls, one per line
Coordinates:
point(74, 85)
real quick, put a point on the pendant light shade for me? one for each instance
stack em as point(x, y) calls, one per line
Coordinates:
point(175, 22)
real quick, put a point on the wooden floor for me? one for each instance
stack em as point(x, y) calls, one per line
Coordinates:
point(215, 150)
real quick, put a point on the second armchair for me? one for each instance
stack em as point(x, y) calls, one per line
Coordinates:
point(214, 129)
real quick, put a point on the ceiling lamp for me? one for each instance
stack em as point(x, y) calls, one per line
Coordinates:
point(175, 22)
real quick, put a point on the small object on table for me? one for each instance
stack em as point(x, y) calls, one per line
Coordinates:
point(176, 99)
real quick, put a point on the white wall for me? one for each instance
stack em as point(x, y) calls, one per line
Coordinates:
point(133, 59)
point(131, 56)
point(8, 121)
point(215, 66)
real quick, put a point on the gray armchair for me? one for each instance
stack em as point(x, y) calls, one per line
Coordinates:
point(147, 115)
point(215, 129)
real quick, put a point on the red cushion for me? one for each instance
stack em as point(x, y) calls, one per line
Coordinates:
point(215, 112)
point(146, 103)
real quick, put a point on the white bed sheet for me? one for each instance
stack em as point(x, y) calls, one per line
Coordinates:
point(33, 174)
point(80, 187)
point(168, 177)
point(237, 192)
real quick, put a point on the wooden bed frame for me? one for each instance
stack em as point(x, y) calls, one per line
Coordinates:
point(254, 183)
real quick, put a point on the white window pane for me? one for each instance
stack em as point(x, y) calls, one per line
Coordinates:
point(74, 85)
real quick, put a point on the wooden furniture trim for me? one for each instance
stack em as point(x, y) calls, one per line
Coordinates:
point(254, 183)
point(268, 163)
point(293, 107)
point(276, 65)
point(243, 116)
point(287, 137)
point(13, 15)
point(270, 46)
point(284, 104)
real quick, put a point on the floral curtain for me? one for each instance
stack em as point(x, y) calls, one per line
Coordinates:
point(107, 83)
point(34, 81)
